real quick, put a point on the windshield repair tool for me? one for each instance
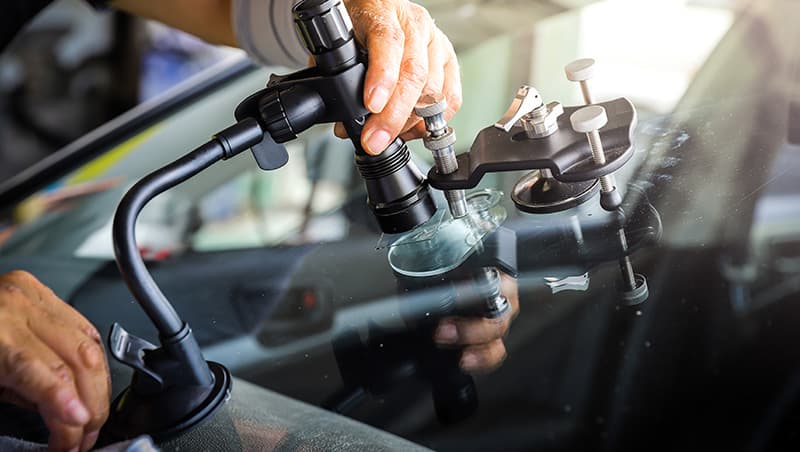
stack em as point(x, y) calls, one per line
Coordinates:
point(539, 191)
point(173, 387)
point(536, 136)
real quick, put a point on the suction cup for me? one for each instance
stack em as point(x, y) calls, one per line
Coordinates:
point(535, 193)
point(171, 412)
point(437, 248)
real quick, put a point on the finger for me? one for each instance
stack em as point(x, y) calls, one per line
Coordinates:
point(37, 374)
point(22, 282)
point(451, 87)
point(437, 58)
point(443, 77)
point(415, 130)
point(89, 439)
point(67, 314)
point(381, 128)
point(339, 130)
point(483, 358)
point(510, 290)
point(41, 296)
point(63, 437)
point(385, 43)
point(86, 359)
point(472, 331)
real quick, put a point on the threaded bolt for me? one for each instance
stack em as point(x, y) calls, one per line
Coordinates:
point(607, 183)
point(625, 265)
point(440, 141)
point(590, 120)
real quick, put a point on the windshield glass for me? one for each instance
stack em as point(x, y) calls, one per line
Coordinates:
point(283, 277)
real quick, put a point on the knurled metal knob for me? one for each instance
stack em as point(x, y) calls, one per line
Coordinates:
point(431, 108)
point(323, 24)
point(431, 105)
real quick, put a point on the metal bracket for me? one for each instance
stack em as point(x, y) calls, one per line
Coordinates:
point(565, 153)
point(130, 350)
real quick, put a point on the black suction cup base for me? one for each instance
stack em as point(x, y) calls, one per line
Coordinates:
point(537, 194)
point(167, 414)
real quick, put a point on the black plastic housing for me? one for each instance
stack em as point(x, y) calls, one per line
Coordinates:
point(397, 192)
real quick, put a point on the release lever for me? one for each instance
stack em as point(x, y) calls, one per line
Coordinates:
point(526, 100)
point(130, 350)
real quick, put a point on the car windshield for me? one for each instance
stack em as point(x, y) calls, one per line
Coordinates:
point(284, 275)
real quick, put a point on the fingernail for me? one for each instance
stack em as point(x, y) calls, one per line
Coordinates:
point(447, 333)
point(77, 413)
point(74, 449)
point(378, 99)
point(378, 141)
point(89, 440)
point(469, 361)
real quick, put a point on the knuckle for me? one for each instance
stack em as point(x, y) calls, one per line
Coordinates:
point(444, 41)
point(62, 372)
point(11, 298)
point(91, 354)
point(388, 33)
point(91, 331)
point(498, 356)
point(22, 276)
point(420, 14)
point(11, 289)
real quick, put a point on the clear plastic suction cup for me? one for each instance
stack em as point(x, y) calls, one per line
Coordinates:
point(421, 233)
point(437, 248)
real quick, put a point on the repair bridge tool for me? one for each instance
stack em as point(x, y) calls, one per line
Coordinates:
point(569, 169)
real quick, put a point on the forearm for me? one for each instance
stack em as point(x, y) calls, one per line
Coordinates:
point(206, 19)
point(263, 28)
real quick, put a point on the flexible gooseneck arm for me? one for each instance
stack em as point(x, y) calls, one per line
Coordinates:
point(129, 261)
point(226, 144)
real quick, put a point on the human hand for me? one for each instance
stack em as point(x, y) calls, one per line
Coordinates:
point(482, 338)
point(408, 56)
point(52, 361)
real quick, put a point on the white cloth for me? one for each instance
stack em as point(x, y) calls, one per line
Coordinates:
point(265, 30)
point(140, 444)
